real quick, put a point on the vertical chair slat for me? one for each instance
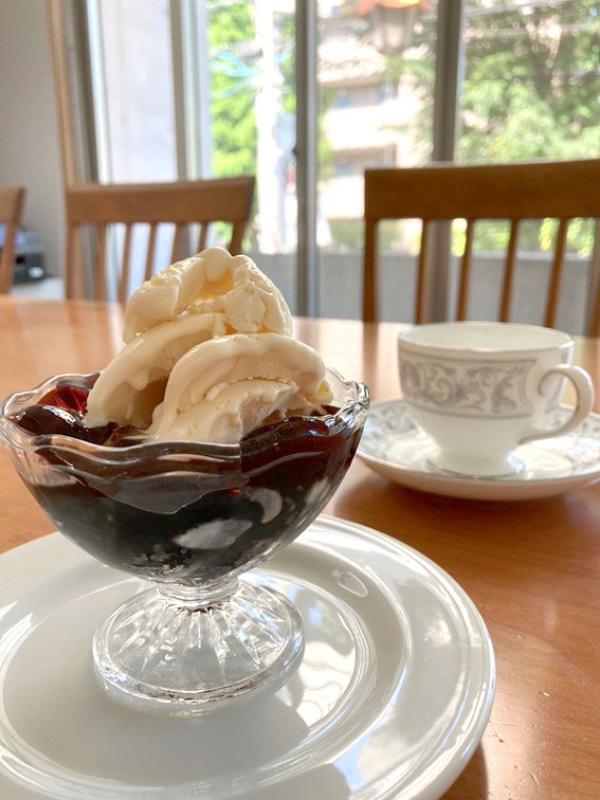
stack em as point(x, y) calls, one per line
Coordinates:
point(100, 275)
point(422, 274)
point(150, 251)
point(80, 282)
point(465, 273)
point(237, 234)
point(594, 328)
point(556, 274)
point(177, 242)
point(70, 262)
point(370, 272)
point(12, 199)
point(125, 265)
point(509, 272)
point(203, 237)
point(7, 258)
point(73, 262)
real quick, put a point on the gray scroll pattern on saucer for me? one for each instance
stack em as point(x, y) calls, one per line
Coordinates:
point(467, 388)
point(393, 418)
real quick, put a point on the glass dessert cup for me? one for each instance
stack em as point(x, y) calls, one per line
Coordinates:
point(191, 518)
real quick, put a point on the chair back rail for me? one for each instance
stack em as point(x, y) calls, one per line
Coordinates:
point(181, 204)
point(513, 192)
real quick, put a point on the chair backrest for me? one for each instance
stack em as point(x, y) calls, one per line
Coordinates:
point(513, 192)
point(194, 202)
point(12, 199)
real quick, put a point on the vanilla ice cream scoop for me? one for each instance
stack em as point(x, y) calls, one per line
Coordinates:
point(211, 281)
point(209, 356)
point(130, 387)
point(224, 388)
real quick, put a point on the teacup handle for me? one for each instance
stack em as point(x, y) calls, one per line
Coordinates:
point(585, 400)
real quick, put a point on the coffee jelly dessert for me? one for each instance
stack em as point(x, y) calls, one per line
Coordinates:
point(212, 439)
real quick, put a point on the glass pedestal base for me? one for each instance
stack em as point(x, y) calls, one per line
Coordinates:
point(184, 650)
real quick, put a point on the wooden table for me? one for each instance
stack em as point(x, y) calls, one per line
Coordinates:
point(532, 568)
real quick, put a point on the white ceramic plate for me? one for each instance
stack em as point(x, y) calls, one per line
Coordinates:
point(394, 446)
point(390, 700)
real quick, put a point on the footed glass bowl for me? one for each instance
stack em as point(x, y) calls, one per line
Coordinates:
point(191, 517)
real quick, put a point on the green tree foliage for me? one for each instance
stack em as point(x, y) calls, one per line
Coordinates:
point(235, 77)
point(532, 91)
point(232, 90)
point(532, 88)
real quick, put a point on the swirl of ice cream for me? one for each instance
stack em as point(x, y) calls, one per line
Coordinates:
point(209, 355)
point(211, 281)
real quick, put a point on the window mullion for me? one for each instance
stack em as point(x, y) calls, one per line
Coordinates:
point(307, 291)
point(189, 41)
point(449, 72)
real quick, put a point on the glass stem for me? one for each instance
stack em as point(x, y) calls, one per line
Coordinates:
point(195, 598)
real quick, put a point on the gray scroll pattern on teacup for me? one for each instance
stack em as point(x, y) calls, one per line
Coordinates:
point(467, 388)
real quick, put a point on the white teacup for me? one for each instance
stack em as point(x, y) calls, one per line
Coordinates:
point(480, 389)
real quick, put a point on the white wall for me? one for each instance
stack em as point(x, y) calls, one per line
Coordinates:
point(29, 144)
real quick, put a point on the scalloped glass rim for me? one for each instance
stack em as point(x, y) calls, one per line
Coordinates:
point(356, 401)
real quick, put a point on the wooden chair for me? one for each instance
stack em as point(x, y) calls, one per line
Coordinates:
point(201, 202)
point(11, 209)
point(515, 192)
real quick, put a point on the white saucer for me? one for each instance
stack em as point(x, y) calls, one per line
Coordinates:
point(394, 446)
point(390, 701)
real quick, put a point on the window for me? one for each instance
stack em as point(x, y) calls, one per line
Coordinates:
point(529, 91)
point(342, 99)
point(387, 91)
point(344, 96)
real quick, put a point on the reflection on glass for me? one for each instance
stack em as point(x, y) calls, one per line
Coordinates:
point(253, 121)
point(375, 111)
point(531, 92)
